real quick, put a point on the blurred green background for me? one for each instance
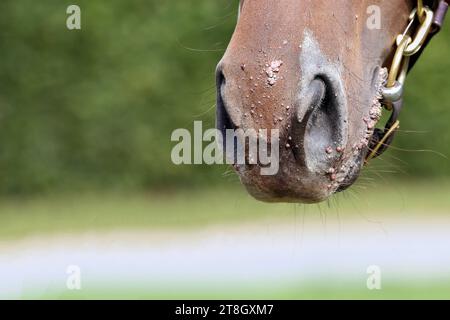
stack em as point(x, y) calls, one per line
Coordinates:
point(85, 124)
point(95, 108)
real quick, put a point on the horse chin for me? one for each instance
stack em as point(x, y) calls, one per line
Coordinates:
point(274, 197)
point(291, 185)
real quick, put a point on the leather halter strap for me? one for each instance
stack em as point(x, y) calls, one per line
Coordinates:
point(382, 139)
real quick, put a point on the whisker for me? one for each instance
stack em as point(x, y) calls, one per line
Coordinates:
point(205, 112)
point(421, 150)
point(412, 131)
point(198, 50)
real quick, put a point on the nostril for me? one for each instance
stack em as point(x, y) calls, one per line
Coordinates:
point(220, 78)
point(223, 119)
point(322, 118)
point(325, 111)
point(326, 128)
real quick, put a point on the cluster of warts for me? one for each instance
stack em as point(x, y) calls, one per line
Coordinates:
point(269, 75)
point(272, 71)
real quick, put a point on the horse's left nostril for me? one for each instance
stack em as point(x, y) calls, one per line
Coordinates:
point(322, 119)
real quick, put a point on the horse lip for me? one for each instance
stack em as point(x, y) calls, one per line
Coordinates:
point(352, 174)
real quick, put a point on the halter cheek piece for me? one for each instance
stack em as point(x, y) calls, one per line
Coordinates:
point(428, 22)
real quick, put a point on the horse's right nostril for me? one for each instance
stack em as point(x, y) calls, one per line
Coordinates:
point(223, 120)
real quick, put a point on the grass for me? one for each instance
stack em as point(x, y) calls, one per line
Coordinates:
point(21, 217)
point(312, 290)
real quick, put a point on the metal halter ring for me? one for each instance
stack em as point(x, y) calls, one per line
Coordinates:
point(394, 93)
point(397, 74)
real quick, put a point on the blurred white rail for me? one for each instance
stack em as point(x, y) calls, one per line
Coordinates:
point(263, 253)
